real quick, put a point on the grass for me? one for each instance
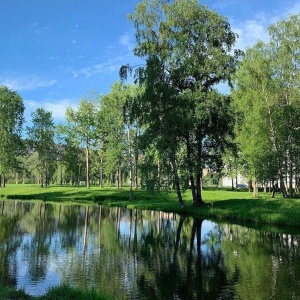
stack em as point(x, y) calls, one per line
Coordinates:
point(10, 293)
point(62, 292)
point(237, 206)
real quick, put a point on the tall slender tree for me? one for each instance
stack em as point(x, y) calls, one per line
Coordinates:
point(113, 126)
point(41, 140)
point(11, 122)
point(81, 123)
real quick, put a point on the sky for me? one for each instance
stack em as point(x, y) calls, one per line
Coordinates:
point(53, 53)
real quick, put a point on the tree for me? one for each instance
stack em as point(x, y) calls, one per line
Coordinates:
point(284, 46)
point(112, 122)
point(81, 123)
point(266, 97)
point(132, 92)
point(188, 51)
point(11, 122)
point(41, 140)
point(255, 127)
point(70, 155)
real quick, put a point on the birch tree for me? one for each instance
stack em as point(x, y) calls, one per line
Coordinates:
point(81, 122)
point(266, 97)
point(41, 140)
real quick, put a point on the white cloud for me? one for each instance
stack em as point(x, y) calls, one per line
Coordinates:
point(57, 108)
point(114, 64)
point(56, 57)
point(31, 82)
point(126, 41)
point(110, 66)
point(293, 9)
point(252, 30)
point(38, 30)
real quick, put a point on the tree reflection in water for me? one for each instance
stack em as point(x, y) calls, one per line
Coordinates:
point(135, 254)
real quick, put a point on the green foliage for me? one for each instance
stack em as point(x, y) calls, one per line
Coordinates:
point(81, 126)
point(11, 122)
point(11, 293)
point(111, 119)
point(41, 140)
point(266, 102)
point(187, 49)
point(65, 292)
point(61, 292)
point(156, 174)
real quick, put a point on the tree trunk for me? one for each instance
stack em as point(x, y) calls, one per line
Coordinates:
point(255, 188)
point(282, 186)
point(61, 173)
point(23, 175)
point(78, 177)
point(3, 180)
point(158, 174)
point(296, 182)
point(291, 179)
point(130, 165)
point(136, 160)
point(87, 158)
point(176, 179)
point(191, 176)
point(199, 200)
point(46, 178)
point(101, 173)
point(118, 177)
point(42, 179)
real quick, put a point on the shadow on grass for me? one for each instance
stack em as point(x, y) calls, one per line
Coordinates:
point(84, 194)
point(278, 212)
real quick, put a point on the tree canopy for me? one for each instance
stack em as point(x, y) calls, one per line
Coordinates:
point(266, 97)
point(188, 50)
point(11, 122)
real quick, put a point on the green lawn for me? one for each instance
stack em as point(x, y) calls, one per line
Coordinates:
point(237, 206)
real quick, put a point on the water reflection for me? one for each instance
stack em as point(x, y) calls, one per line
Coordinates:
point(135, 254)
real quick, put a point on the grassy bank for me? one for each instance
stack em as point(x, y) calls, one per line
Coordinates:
point(238, 206)
point(62, 292)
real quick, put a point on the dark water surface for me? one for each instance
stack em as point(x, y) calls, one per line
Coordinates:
point(133, 254)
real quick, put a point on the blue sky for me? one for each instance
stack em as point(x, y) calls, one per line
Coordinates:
point(54, 52)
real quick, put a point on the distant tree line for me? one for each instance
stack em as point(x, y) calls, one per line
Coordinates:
point(162, 130)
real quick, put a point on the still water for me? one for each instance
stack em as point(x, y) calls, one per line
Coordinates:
point(134, 254)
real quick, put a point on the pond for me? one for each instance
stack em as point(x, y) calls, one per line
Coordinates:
point(135, 254)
